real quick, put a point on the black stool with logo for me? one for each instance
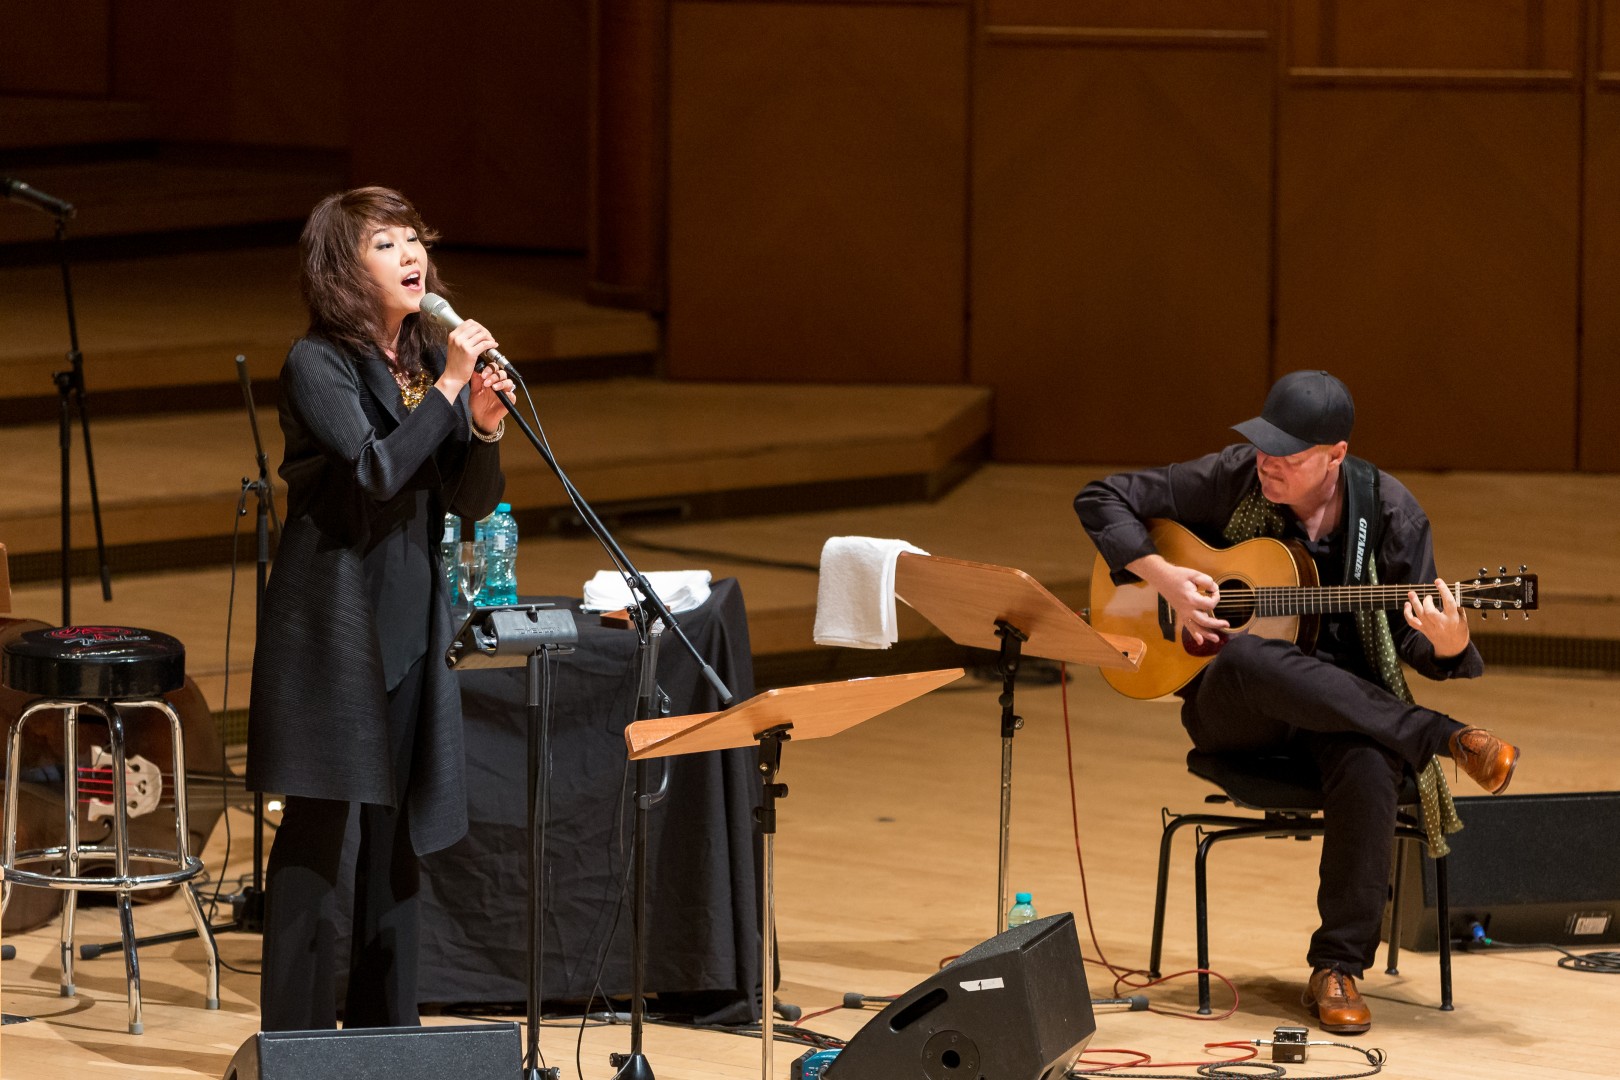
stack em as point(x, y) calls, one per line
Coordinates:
point(103, 670)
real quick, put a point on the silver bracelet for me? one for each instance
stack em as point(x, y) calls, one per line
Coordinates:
point(495, 436)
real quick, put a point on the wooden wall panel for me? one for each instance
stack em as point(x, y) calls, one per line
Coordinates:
point(55, 49)
point(479, 115)
point(251, 74)
point(817, 191)
point(1121, 228)
point(629, 153)
point(1163, 21)
point(287, 70)
point(1435, 35)
point(1428, 249)
point(1599, 386)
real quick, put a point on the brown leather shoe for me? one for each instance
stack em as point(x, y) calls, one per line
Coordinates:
point(1487, 760)
point(1336, 1003)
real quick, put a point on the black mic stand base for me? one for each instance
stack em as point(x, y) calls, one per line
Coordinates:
point(247, 918)
point(631, 1066)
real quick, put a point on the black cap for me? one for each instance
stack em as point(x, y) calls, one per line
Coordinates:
point(1304, 409)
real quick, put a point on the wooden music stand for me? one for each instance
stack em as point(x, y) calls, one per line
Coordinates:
point(771, 719)
point(997, 607)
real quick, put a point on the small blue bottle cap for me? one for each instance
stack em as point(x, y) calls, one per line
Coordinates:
point(504, 508)
point(1022, 898)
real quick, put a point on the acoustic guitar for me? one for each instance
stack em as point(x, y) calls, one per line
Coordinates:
point(1267, 587)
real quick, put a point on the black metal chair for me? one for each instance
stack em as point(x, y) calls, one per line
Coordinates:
point(1287, 793)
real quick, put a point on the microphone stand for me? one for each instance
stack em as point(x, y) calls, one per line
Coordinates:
point(651, 701)
point(250, 914)
point(70, 394)
point(632, 1066)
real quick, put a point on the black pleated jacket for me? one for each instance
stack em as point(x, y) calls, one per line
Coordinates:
point(362, 472)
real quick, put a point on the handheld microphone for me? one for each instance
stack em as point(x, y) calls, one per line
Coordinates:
point(17, 191)
point(439, 310)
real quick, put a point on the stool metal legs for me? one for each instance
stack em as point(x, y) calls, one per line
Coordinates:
point(71, 857)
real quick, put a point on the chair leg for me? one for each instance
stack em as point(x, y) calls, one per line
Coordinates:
point(205, 934)
point(70, 908)
point(1443, 915)
point(13, 772)
point(1161, 894)
point(182, 849)
point(70, 790)
point(132, 961)
point(126, 913)
point(1201, 910)
point(1392, 966)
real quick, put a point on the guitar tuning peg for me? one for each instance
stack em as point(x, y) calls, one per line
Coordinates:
point(1483, 571)
point(1484, 616)
point(1503, 569)
point(1527, 616)
point(1523, 568)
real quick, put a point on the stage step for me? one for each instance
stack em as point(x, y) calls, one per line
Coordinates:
point(179, 190)
point(32, 123)
point(161, 333)
point(641, 450)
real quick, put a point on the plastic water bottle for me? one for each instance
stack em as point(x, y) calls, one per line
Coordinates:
point(499, 533)
point(447, 554)
point(1022, 911)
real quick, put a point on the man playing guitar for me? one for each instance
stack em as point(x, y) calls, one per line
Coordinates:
point(1341, 702)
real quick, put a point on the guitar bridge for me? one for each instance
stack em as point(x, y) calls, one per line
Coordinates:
point(1167, 620)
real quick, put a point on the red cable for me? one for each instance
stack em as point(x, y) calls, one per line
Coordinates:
point(1122, 976)
point(819, 1012)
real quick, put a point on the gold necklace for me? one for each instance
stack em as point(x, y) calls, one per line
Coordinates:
point(413, 387)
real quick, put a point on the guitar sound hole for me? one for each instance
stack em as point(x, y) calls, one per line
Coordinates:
point(1237, 603)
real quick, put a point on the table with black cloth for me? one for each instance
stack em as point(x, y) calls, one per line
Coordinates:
point(703, 915)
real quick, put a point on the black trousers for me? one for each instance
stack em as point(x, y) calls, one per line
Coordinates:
point(298, 989)
point(1265, 695)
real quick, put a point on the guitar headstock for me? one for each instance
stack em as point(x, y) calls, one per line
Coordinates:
point(1501, 591)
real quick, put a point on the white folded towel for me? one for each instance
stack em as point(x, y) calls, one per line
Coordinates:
point(855, 594)
point(680, 590)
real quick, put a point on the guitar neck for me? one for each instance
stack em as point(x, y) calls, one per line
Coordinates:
point(1270, 601)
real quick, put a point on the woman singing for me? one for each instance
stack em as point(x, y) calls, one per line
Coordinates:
point(354, 715)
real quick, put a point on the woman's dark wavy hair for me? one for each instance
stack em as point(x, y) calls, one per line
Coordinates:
point(345, 305)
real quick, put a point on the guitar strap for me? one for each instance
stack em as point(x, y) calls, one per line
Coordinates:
point(1255, 515)
point(1362, 520)
point(1363, 533)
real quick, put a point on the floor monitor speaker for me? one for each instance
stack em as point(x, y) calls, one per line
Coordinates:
point(1013, 1008)
point(1529, 869)
point(466, 1052)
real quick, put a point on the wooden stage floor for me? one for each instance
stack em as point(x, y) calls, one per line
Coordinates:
point(886, 862)
point(886, 855)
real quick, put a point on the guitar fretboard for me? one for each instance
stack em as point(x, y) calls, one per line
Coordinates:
point(1272, 601)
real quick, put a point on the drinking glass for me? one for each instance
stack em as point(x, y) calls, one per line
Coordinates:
point(470, 562)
